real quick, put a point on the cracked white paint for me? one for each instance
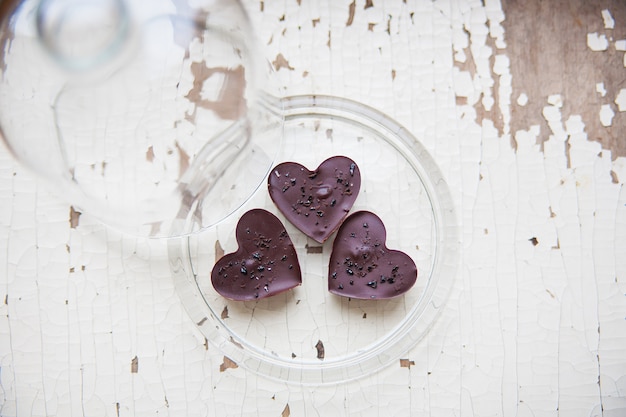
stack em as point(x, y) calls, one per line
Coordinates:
point(601, 89)
point(463, 83)
point(529, 329)
point(495, 17)
point(620, 45)
point(502, 70)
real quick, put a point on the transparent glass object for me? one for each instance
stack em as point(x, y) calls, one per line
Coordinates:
point(156, 117)
point(307, 335)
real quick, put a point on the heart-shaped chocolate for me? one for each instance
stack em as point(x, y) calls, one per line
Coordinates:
point(316, 202)
point(265, 263)
point(361, 266)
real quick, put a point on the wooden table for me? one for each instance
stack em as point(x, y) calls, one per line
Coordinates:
point(523, 107)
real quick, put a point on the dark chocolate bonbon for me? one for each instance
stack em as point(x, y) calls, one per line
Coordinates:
point(316, 202)
point(265, 263)
point(361, 266)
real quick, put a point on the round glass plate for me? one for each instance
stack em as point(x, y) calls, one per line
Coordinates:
point(308, 335)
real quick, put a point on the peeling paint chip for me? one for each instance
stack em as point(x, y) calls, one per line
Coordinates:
point(606, 115)
point(600, 89)
point(150, 154)
point(614, 178)
point(286, 412)
point(219, 251)
point(609, 22)
point(134, 365)
point(597, 42)
point(534, 241)
point(556, 100)
point(227, 363)
point(320, 349)
point(281, 62)
point(406, 363)
point(351, 10)
point(74, 217)
point(224, 314)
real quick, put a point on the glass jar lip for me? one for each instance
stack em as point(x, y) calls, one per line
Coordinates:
point(55, 21)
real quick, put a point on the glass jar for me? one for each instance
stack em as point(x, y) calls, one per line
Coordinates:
point(159, 119)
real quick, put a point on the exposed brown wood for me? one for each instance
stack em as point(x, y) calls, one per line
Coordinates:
point(228, 364)
point(406, 363)
point(231, 102)
point(547, 46)
point(320, 349)
point(74, 217)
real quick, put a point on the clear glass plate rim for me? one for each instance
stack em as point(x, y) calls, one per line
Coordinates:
point(401, 339)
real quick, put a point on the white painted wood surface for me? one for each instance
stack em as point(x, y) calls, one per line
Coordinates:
point(90, 323)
